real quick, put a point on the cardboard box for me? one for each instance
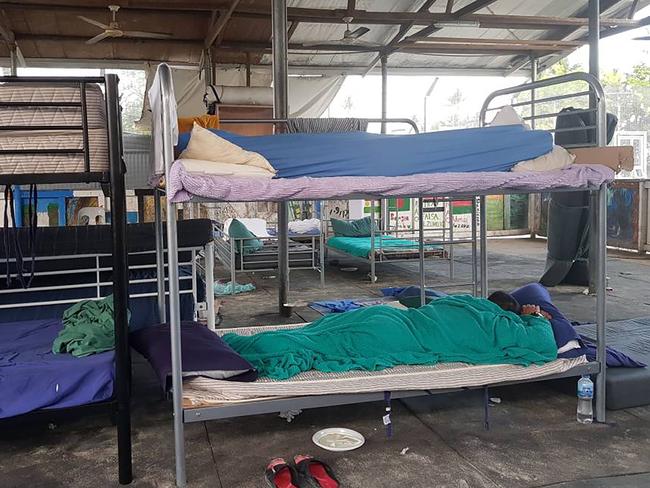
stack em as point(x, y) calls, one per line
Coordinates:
point(616, 157)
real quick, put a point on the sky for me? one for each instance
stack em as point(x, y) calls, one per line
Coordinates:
point(406, 94)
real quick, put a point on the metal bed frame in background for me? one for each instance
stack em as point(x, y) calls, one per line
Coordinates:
point(432, 236)
point(181, 415)
point(305, 252)
point(114, 178)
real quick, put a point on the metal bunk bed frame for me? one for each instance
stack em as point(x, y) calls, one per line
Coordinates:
point(182, 415)
point(113, 179)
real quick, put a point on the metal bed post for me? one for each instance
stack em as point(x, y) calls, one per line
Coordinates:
point(233, 262)
point(594, 103)
point(174, 302)
point(451, 240)
point(601, 311)
point(120, 281)
point(209, 283)
point(483, 237)
point(281, 110)
point(423, 299)
point(373, 277)
point(474, 249)
point(321, 243)
point(160, 256)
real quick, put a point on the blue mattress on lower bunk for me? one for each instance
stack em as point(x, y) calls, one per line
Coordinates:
point(32, 377)
point(496, 148)
point(361, 246)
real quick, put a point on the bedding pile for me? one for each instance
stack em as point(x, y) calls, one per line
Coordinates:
point(88, 328)
point(452, 329)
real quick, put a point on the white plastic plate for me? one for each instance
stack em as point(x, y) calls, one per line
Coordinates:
point(338, 439)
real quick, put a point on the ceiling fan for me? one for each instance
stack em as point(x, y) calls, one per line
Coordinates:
point(113, 29)
point(350, 37)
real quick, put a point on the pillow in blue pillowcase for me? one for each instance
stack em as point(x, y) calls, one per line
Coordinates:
point(536, 294)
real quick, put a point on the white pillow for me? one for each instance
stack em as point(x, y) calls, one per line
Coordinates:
point(256, 226)
point(574, 344)
point(558, 158)
point(224, 169)
point(207, 146)
point(507, 116)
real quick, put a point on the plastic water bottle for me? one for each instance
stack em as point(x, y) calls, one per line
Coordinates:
point(585, 413)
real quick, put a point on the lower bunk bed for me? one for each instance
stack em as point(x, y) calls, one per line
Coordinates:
point(40, 379)
point(209, 392)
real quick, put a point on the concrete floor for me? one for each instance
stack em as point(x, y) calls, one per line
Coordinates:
point(534, 440)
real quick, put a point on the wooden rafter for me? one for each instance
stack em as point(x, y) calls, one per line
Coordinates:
point(403, 30)
point(220, 24)
point(459, 14)
point(450, 6)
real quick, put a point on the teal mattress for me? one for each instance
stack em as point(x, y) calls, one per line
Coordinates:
point(360, 246)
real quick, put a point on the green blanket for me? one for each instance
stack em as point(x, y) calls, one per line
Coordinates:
point(360, 246)
point(88, 328)
point(456, 328)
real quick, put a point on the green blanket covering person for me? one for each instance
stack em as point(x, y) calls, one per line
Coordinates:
point(88, 328)
point(457, 328)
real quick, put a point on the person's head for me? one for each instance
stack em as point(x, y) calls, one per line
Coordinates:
point(505, 301)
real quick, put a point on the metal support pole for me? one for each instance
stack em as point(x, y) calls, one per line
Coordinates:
point(120, 282)
point(423, 284)
point(532, 198)
point(321, 244)
point(281, 110)
point(207, 68)
point(160, 256)
point(474, 249)
point(483, 237)
point(594, 69)
point(13, 59)
point(384, 91)
point(174, 287)
point(451, 240)
point(601, 311)
point(209, 283)
point(373, 276)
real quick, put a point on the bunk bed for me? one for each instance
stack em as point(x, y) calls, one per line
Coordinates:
point(304, 251)
point(65, 130)
point(204, 399)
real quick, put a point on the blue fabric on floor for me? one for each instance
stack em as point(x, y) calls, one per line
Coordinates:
point(362, 154)
point(410, 291)
point(334, 306)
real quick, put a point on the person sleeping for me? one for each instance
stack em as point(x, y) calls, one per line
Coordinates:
point(458, 328)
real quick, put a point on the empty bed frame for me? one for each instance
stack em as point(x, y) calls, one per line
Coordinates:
point(304, 253)
point(64, 130)
point(190, 405)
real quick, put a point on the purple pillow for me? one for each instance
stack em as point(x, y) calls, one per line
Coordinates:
point(203, 353)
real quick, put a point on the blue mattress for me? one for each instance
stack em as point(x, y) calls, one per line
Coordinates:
point(364, 154)
point(31, 377)
point(361, 246)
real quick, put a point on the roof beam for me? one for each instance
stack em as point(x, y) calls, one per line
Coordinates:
point(9, 37)
point(220, 24)
point(449, 7)
point(459, 14)
point(329, 16)
point(292, 29)
point(403, 30)
point(475, 6)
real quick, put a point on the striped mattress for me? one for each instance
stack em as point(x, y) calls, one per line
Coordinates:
point(201, 392)
point(52, 139)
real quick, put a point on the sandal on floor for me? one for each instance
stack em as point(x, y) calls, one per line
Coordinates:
point(315, 473)
point(279, 474)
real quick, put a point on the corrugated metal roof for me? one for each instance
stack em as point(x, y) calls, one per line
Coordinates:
point(50, 29)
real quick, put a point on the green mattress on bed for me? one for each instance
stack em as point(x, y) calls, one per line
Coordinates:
point(360, 246)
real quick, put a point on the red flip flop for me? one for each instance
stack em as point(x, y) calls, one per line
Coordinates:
point(315, 472)
point(279, 474)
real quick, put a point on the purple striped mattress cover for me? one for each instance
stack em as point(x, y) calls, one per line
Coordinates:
point(183, 184)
